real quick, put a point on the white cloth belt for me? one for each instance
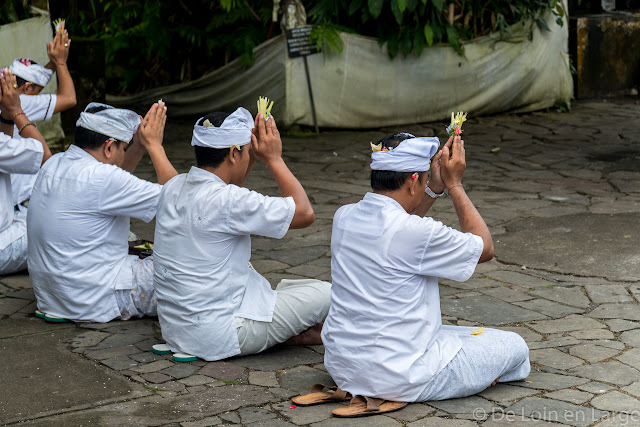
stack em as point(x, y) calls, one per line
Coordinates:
point(411, 155)
point(234, 130)
point(116, 123)
point(33, 72)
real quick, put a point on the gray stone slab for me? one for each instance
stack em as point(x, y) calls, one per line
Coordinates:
point(301, 378)
point(222, 370)
point(506, 395)
point(295, 256)
point(556, 411)
point(619, 325)
point(253, 414)
point(549, 308)
point(108, 353)
point(164, 411)
point(537, 242)
point(279, 357)
point(412, 412)
point(592, 353)
point(616, 402)
point(88, 338)
point(631, 357)
point(487, 310)
point(119, 340)
point(548, 381)
point(465, 405)
point(197, 380)
point(511, 420)
point(265, 379)
point(9, 306)
point(569, 324)
point(40, 375)
point(441, 422)
point(595, 387)
point(205, 422)
point(377, 421)
point(156, 366)
point(554, 358)
point(308, 414)
point(631, 338)
point(30, 325)
point(633, 389)
point(616, 311)
point(180, 370)
point(570, 395)
point(593, 334)
point(119, 363)
point(520, 279)
point(607, 293)
point(506, 294)
point(609, 372)
point(568, 296)
point(554, 341)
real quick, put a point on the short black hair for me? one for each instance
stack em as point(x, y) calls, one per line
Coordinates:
point(390, 180)
point(20, 81)
point(211, 157)
point(89, 139)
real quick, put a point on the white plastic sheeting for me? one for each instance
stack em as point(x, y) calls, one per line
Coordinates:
point(28, 39)
point(363, 88)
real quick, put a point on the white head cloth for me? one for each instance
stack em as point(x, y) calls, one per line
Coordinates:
point(116, 123)
point(234, 130)
point(411, 155)
point(31, 71)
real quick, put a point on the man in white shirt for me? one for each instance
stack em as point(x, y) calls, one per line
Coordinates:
point(211, 303)
point(23, 153)
point(31, 79)
point(384, 339)
point(78, 218)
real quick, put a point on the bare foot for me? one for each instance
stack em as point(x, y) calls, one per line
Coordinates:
point(494, 382)
point(309, 337)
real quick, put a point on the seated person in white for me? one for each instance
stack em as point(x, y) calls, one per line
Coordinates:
point(383, 337)
point(24, 153)
point(211, 303)
point(78, 218)
point(31, 79)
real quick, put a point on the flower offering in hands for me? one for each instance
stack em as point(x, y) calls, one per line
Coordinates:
point(58, 25)
point(264, 107)
point(455, 128)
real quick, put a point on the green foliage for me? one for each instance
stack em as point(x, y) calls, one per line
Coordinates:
point(407, 26)
point(13, 11)
point(151, 43)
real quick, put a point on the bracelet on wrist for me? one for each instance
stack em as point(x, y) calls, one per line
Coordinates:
point(454, 186)
point(25, 125)
point(7, 121)
point(432, 193)
point(17, 114)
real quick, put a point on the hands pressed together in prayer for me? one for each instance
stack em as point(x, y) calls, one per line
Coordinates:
point(58, 48)
point(266, 144)
point(448, 165)
point(150, 133)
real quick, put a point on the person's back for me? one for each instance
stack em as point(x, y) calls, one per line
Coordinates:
point(211, 303)
point(383, 336)
point(80, 227)
point(79, 217)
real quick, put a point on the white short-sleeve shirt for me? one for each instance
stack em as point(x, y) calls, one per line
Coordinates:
point(382, 335)
point(202, 248)
point(36, 108)
point(17, 155)
point(78, 228)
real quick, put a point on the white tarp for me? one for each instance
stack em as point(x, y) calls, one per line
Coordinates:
point(28, 39)
point(363, 88)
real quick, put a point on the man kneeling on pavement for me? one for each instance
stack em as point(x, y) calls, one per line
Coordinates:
point(211, 303)
point(384, 339)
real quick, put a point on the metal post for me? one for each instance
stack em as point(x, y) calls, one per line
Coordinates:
point(313, 105)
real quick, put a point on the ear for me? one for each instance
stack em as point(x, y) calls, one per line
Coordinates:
point(233, 155)
point(109, 148)
point(413, 182)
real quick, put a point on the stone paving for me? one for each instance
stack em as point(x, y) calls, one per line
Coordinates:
point(561, 195)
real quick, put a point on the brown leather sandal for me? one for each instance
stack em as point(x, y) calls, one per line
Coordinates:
point(363, 406)
point(317, 395)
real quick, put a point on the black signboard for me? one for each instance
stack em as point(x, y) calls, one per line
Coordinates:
point(299, 43)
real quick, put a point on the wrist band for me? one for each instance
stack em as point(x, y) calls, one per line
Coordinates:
point(454, 186)
point(17, 114)
point(6, 121)
point(25, 125)
point(432, 193)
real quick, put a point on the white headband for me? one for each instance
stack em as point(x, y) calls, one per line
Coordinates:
point(31, 71)
point(234, 130)
point(113, 122)
point(411, 155)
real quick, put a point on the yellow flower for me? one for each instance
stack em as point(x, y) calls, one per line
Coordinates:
point(478, 331)
point(58, 24)
point(458, 119)
point(264, 107)
point(237, 147)
point(206, 123)
point(375, 148)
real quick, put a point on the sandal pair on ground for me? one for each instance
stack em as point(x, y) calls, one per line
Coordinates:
point(359, 406)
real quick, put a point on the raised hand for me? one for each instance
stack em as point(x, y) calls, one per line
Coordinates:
point(151, 130)
point(9, 97)
point(58, 49)
point(267, 145)
point(453, 162)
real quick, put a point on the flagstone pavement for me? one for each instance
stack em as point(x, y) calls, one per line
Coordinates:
point(561, 195)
